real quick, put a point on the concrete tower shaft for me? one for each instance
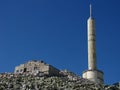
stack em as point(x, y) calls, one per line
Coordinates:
point(92, 73)
point(91, 44)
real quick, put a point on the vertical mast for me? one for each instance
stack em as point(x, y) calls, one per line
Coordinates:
point(92, 73)
point(91, 42)
point(90, 11)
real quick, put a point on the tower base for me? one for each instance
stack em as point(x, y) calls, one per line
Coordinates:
point(94, 75)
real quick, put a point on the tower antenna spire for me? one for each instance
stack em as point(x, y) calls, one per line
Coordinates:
point(92, 73)
point(90, 11)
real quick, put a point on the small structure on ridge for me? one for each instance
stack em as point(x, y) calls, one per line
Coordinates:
point(36, 67)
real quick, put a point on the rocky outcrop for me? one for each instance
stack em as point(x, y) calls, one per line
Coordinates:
point(10, 81)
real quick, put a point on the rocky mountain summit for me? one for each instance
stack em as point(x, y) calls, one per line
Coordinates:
point(65, 81)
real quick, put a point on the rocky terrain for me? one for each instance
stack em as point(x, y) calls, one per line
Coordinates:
point(66, 81)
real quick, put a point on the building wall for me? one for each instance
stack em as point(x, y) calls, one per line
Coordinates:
point(94, 75)
point(53, 71)
point(36, 67)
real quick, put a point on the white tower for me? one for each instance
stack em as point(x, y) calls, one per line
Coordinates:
point(92, 73)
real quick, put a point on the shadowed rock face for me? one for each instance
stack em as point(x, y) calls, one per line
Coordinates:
point(36, 82)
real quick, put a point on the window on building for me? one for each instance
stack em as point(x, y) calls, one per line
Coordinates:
point(21, 70)
point(25, 69)
point(17, 70)
point(35, 68)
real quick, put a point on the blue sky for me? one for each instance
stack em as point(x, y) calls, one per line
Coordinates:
point(56, 32)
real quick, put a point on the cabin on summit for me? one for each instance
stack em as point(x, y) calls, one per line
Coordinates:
point(36, 67)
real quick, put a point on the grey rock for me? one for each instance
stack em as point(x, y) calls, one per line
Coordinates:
point(63, 82)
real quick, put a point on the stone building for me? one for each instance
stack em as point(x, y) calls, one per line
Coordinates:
point(36, 67)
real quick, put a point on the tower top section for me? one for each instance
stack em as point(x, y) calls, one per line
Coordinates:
point(90, 11)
